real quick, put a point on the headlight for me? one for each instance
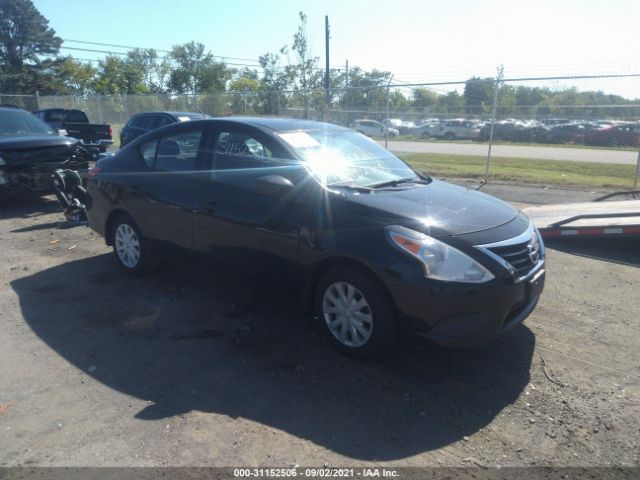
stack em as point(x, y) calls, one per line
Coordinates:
point(440, 261)
point(2, 162)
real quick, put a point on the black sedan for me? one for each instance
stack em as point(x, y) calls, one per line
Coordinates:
point(321, 211)
point(141, 123)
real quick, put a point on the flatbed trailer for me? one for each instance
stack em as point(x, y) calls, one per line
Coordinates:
point(599, 218)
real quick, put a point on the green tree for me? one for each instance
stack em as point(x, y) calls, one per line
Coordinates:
point(155, 70)
point(478, 95)
point(118, 75)
point(302, 71)
point(275, 78)
point(25, 38)
point(368, 90)
point(196, 70)
point(244, 88)
point(423, 99)
point(76, 76)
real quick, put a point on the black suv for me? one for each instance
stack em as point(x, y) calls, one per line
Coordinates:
point(142, 123)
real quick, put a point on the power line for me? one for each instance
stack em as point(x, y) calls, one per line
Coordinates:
point(254, 63)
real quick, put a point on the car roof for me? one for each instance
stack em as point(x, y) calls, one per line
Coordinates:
point(278, 124)
point(173, 113)
point(58, 110)
point(13, 109)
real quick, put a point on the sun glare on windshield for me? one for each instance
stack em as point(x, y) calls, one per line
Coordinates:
point(341, 157)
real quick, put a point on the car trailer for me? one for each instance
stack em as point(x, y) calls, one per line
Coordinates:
point(599, 218)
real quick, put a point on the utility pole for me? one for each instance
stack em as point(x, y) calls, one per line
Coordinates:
point(346, 91)
point(326, 68)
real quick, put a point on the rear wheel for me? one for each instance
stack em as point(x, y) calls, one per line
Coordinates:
point(355, 312)
point(131, 248)
point(449, 136)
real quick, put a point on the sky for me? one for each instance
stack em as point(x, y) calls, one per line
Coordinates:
point(417, 40)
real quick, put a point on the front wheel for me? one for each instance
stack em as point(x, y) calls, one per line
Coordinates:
point(131, 249)
point(355, 312)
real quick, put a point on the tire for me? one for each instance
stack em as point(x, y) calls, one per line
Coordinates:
point(449, 136)
point(368, 331)
point(127, 242)
point(614, 142)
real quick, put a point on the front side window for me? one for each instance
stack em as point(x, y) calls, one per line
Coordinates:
point(237, 150)
point(343, 157)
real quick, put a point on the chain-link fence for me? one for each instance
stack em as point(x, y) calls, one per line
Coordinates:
point(581, 130)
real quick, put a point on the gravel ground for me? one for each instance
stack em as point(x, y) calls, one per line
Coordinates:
point(191, 368)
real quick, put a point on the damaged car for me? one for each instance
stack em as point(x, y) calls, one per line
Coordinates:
point(30, 151)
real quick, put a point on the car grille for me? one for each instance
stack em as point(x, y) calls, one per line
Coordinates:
point(521, 256)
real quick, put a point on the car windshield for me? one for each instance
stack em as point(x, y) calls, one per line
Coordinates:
point(17, 123)
point(344, 157)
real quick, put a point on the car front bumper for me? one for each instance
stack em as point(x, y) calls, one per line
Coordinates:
point(465, 315)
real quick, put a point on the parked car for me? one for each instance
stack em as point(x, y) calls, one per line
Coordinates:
point(141, 123)
point(404, 127)
point(554, 121)
point(371, 246)
point(568, 132)
point(30, 151)
point(614, 136)
point(458, 129)
point(75, 123)
point(427, 130)
point(514, 131)
point(372, 128)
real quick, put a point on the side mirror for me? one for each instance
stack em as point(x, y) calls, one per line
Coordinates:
point(272, 185)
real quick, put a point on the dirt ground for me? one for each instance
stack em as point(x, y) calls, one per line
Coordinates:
point(188, 368)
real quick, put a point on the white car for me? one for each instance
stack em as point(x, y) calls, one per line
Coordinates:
point(371, 128)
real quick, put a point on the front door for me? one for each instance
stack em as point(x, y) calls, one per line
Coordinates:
point(253, 232)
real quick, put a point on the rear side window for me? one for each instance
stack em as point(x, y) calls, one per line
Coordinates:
point(172, 153)
point(76, 116)
point(145, 122)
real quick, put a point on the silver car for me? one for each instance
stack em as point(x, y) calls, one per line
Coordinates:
point(458, 129)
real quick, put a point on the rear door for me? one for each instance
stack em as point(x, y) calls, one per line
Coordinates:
point(166, 187)
point(253, 233)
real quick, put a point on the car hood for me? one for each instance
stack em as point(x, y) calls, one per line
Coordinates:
point(24, 150)
point(438, 209)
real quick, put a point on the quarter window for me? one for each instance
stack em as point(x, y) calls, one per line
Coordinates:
point(148, 152)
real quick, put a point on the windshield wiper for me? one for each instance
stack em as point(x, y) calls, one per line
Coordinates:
point(395, 183)
point(349, 186)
